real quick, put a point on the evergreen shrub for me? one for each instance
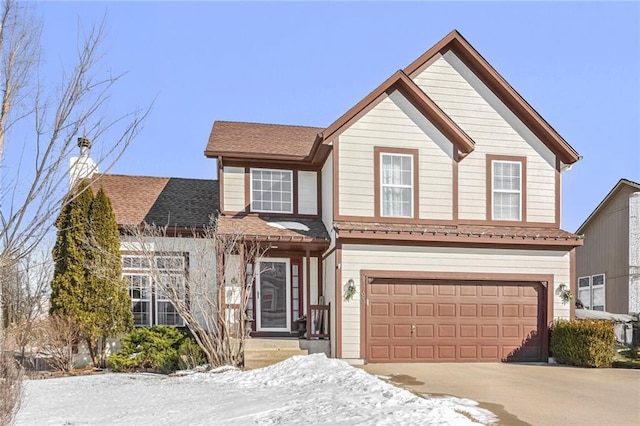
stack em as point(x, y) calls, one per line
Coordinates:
point(158, 348)
point(583, 343)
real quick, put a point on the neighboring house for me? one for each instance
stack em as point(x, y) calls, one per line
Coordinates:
point(608, 264)
point(421, 226)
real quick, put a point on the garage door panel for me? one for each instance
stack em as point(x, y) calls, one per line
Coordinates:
point(454, 321)
point(381, 331)
point(403, 352)
point(402, 310)
point(468, 331)
point(468, 353)
point(379, 309)
point(446, 330)
point(446, 310)
point(424, 309)
point(402, 330)
point(468, 310)
point(489, 311)
point(425, 353)
point(425, 330)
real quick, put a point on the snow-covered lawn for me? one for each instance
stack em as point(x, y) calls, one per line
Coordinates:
point(304, 389)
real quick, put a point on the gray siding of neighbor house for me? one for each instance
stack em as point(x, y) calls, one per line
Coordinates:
point(606, 250)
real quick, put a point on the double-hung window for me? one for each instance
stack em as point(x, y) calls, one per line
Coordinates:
point(396, 185)
point(152, 286)
point(506, 190)
point(271, 191)
point(591, 292)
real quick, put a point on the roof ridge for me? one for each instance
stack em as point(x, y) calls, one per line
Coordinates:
point(268, 124)
point(152, 177)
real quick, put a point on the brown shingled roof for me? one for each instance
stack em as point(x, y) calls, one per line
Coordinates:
point(270, 228)
point(160, 200)
point(459, 233)
point(263, 140)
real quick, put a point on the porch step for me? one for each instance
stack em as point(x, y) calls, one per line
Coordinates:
point(260, 353)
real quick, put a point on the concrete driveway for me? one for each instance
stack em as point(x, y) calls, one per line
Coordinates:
point(527, 394)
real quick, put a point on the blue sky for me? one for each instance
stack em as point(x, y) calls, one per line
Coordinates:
point(577, 64)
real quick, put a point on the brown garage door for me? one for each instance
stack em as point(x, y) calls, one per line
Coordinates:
point(454, 321)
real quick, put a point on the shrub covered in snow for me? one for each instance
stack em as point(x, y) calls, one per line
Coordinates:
point(159, 348)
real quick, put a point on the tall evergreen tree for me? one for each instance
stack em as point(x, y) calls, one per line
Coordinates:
point(70, 256)
point(108, 294)
point(87, 284)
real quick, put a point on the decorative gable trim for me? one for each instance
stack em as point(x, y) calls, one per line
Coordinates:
point(456, 43)
point(401, 82)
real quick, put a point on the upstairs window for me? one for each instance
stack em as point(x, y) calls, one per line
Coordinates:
point(271, 191)
point(591, 292)
point(396, 185)
point(506, 190)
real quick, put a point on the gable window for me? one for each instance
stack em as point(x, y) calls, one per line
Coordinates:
point(591, 292)
point(506, 190)
point(271, 191)
point(396, 185)
point(149, 303)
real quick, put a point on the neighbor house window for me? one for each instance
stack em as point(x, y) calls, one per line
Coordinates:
point(591, 292)
point(149, 287)
point(271, 191)
point(506, 190)
point(396, 184)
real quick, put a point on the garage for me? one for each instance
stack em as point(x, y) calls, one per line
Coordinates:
point(454, 321)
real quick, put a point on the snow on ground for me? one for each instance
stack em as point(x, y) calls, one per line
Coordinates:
point(309, 389)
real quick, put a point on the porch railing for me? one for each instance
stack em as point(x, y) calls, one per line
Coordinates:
point(318, 323)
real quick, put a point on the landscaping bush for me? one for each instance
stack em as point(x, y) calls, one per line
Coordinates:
point(584, 343)
point(157, 348)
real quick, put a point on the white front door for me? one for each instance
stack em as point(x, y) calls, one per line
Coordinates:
point(272, 295)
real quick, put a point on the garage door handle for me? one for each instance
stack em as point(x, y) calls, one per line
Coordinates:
point(413, 328)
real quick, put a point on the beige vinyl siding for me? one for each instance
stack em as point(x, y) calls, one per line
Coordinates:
point(606, 250)
point(233, 189)
point(356, 258)
point(495, 130)
point(307, 192)
point(327, 197)
point(329, 280)
point(395, 123)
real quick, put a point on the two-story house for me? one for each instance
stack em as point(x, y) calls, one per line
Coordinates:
point(421, 226)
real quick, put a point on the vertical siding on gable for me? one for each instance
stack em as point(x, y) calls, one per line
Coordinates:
point(233, 189)
point(356, 258)
point(395, 123)
point(495, 130)
point(606, 250)
point(307, 192)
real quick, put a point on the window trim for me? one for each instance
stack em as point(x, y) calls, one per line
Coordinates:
point(591, 288)
point(490, 160)
point(293, 189)
point(153, 300)
point(377, 171)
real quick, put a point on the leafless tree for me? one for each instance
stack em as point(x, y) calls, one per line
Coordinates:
point(25, 300)
point(39, 127)
point(39, 123)
point(10, 387)
point(56, 337)
point(213, 294)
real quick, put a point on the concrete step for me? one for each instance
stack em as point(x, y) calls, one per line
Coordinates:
point(263, 343)
point(280, 354)
point(264, 354)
